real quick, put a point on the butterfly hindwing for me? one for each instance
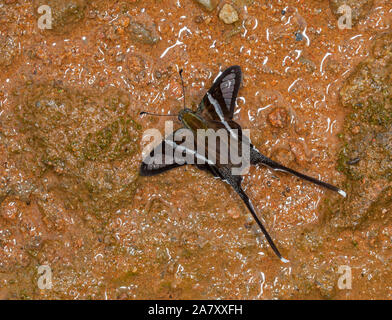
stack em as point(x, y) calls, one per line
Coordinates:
point(177, 149)
point(219, 102)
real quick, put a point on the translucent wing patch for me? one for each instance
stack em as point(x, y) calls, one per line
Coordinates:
point(219, 102)
point(227, 89)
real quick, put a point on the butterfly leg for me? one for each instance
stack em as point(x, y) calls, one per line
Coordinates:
point(257, 157)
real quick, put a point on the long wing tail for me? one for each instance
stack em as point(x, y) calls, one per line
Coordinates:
point(249, 205)
point(235, 181)
point(278, 167)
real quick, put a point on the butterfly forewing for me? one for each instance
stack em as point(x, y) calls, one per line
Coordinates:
point(219, 102)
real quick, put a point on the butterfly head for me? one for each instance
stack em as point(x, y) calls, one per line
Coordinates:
point(182, 114)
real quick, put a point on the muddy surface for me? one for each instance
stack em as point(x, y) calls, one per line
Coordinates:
point(314, 97)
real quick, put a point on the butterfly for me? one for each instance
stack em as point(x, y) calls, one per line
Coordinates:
point(216, 111)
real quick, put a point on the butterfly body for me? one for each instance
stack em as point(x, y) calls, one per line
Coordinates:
point(192, 121)
point(215, 112)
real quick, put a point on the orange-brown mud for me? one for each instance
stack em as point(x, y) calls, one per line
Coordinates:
point(315, 97)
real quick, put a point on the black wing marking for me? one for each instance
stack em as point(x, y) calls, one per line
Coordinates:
point(163, 157)
point(235, 181)
point(219, 102)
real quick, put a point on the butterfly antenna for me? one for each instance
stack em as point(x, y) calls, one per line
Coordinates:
point(183, 87)
point(158, 115)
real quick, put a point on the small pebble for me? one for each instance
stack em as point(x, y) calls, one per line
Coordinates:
point(299, 36)
point(208, 4)
point(356, 130)
point(228, 14)
point(278, 118)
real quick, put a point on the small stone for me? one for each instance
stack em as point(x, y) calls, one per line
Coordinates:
point(298, 36)
point(108, 239)
point(356, 130)
point(228, 14)
point(124, 22)
point(297, 148)
point(209, 5)
point(9, 209)
point(283, 156)
point(8, 50)
point(309, 64)
point(199, 19)
point(278, 118)
point(143, 29)
point(234, 213)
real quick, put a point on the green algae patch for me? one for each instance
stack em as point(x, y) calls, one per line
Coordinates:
point(365, 160)
point(87, 139)
point(366, 153)
point(115, 141)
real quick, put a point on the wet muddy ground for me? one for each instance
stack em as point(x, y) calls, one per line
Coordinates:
point(315, 97)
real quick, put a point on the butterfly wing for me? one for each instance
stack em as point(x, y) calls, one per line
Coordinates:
point(176, 150)
point(219, 101)
point(232, 149)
